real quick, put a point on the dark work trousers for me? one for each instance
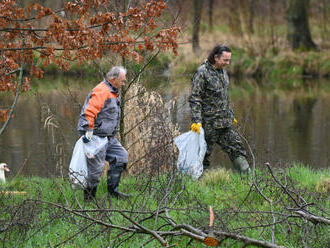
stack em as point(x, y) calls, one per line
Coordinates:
point(227, 138)
point(113, 152)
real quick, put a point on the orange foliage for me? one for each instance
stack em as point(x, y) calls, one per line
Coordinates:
point(76, 34)
point(4, 114)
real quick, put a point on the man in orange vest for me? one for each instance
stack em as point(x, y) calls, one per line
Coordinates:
point(100, 116)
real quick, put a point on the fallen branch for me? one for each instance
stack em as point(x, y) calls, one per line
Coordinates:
point(313, 218)
point(211, 240)
point(247, 240)
point(201, 236)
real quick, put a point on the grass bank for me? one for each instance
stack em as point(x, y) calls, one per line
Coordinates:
point(277, 66)
point(51, 214)
point(285, 69)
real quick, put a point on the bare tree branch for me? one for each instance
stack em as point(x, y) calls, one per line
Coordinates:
point(18, 89)
point(313, 218)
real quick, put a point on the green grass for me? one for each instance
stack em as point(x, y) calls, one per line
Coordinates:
point(44, 223)
point(306, 177)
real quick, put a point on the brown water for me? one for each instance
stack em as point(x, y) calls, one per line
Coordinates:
point(281, 126)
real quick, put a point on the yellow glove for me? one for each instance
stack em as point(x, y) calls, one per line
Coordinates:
point(196, 127)
point(235, 121)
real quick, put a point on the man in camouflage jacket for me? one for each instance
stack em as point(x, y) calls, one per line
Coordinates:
point(210, 107)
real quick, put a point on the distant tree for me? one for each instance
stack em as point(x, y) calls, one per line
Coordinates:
point(198, 4)
point(299, 35)
point(232, 11)
point(251, 6)
point(210, 13)
point(82, 31)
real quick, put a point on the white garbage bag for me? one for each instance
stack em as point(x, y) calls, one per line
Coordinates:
point(192, 148)
point(78, 166)
point(94, 145)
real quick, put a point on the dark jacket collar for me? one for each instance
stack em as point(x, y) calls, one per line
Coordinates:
point(112, 88)
point(209, 66)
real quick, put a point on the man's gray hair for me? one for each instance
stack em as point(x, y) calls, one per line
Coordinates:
point(115, 72)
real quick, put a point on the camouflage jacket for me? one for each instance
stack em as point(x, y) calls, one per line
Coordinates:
point(209, 100)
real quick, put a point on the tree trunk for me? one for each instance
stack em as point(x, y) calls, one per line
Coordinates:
point(299, 35)
point(210, 12)
point(197, 19)
point(251, 6)
point(123, 99)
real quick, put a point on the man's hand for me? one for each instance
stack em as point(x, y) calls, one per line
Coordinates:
point(88, 136)
point(196, 127)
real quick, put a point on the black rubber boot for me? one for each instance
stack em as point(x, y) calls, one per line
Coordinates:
point(89, 194)
point(113, 179)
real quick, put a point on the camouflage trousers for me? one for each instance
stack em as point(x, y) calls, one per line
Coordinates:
point(227, 138)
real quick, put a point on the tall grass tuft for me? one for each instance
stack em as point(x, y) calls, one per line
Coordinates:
point(215, 177)
point(323, 186)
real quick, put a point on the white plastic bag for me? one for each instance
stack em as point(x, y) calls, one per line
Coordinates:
point(192, 148)
point(78, 166)
point(94, 145)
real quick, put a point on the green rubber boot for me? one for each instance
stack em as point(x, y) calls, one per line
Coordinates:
point(242, 165)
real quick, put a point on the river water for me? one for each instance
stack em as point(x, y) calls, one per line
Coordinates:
point(281, 126)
